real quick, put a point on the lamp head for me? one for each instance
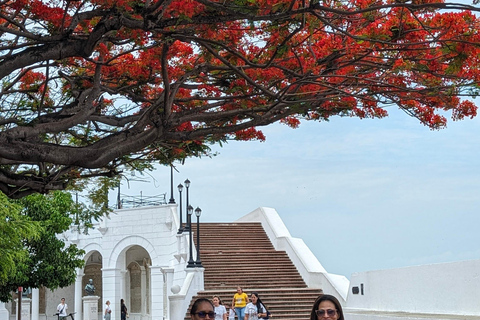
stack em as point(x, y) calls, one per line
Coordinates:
point(198, 212)
point(187, 183)
point(190, 210)
point(180, 187)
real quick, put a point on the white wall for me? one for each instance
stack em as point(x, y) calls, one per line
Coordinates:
point(435, 290)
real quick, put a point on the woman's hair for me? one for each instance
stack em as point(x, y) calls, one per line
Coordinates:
point(108, 301)
point(259, 302)
point(219, 300)
point(326, 297)
point(198, 302)
point(121, 301)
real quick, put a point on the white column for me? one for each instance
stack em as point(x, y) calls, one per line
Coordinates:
point(35, 304)
point(112, 289)
point(143, 289)
point(125, 283)
point(168, 274)
point(4, 315)
point(78, 295)
point(156, 287)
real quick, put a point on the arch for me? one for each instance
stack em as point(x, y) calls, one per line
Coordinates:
point(127, 243)
point(90, 249)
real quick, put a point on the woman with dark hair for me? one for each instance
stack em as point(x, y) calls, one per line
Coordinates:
point(202, 309)
point(123, 310)
point(327, 307)
point(255, 310)
point(220, 310)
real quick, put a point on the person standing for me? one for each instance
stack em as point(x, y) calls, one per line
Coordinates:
point(255, 310)
point(239, 302)
point(220, 310)
point(108, 311)
point(62, 309)
point(123, 310)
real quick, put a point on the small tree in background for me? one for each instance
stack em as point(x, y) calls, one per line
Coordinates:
point(33, 255)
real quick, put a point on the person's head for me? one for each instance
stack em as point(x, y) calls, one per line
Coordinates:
point(216, 301)
point(256, 300)
point(122, 302)
point(62, 300)
point(326, 307)
point(90, 281)
point(239, 290)
point(108, 302)
point(202, 309)
point(254, 297)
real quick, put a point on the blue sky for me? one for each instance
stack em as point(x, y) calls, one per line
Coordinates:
point(362, 194)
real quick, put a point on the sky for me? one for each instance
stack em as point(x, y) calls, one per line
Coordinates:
point(362, 194)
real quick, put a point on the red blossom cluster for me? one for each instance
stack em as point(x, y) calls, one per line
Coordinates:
point(176, 76)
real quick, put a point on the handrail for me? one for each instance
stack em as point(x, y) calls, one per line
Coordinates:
point(141, 201)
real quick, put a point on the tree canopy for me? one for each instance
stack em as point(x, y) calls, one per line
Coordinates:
point(33, 255)
point(94, 87)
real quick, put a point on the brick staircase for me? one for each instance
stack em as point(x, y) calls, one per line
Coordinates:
point(240, 254)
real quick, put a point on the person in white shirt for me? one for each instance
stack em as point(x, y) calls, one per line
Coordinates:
point(255, 310)
point(220, 310)
point(108, 311)
point(62, 309)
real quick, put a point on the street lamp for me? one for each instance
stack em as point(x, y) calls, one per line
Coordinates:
point(172, 200)
point(180, 189)
point(191, 263)
point(198, 213)
point(187, 185)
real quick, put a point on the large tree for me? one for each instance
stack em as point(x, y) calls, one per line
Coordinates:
point(92, 87)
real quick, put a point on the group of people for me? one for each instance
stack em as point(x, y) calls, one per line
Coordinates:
point(325, 307)
point(63, 307)
point(245, 310)
point(123, 311)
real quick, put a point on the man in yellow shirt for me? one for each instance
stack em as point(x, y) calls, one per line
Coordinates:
point(239, 302)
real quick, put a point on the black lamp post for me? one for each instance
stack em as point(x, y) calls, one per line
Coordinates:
point(198, 213)
point(187, 185)
point(191, 263)
point(172, 200)
point(180, 189)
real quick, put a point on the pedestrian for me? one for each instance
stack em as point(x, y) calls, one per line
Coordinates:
point(108, 311)
point(326, 307)
point(62, 309)
point(239, 302)
point(255, 310)
point(123, 310)
point(202, 308)
point(220, 310)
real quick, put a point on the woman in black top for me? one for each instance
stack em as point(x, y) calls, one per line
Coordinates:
point(123, 310)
